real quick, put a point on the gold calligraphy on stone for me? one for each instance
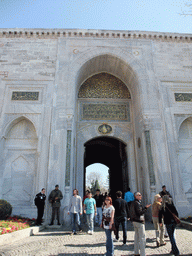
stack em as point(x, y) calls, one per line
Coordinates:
point(183, 97)
point(116, 112)
point(25, 96)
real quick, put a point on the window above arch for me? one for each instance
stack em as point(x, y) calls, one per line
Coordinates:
point(104, 86)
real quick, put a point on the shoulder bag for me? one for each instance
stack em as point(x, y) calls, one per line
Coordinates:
point(177, 220)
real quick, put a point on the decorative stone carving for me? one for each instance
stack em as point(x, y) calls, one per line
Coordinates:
point(104, 86)
point(149, 158)
point(105, 129)
point(68, 159)
point(20, 164)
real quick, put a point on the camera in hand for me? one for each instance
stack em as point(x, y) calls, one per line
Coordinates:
point(106, 223)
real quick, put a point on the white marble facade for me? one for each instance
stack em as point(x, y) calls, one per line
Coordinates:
point(43, 134)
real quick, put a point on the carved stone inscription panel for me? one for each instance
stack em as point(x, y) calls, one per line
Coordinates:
point(113, 112)
point(183, 97)
point(25, 96)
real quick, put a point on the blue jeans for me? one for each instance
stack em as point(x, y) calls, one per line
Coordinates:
point(90, 224)
point(75, 218)
point(170, 230)
point(123, 222)
point(98, 218)
point(109, 243)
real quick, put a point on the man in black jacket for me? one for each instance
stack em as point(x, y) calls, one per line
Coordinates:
point(121, 216)
point(99, 203)
point(137, 217)
point(40, 203)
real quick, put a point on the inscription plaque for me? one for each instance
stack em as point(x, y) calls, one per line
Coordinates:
point(183, 97)
point(115, 112)
point(25, 96)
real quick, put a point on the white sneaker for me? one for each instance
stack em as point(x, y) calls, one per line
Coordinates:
point(89, 231)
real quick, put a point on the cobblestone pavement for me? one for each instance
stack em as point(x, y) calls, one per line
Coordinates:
point(60, 242)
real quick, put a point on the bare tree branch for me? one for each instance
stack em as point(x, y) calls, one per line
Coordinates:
point(92, 177)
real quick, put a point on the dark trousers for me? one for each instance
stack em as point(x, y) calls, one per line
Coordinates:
point(40, 212)
point(55, 210)
point(123, 222)
point(170, 230)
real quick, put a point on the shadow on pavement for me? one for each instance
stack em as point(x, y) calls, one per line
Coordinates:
point(126, 247)
point(77, 254)
point(85, 245)
point(87, 254)
point(165, 254)
point(53, 233)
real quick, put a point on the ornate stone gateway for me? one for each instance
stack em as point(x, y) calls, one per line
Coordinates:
point(105, 98)
point(70, 97)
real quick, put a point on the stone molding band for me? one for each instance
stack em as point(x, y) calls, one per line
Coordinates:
point(46, 33)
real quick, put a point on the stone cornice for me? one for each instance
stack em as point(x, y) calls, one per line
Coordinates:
point(89, 33)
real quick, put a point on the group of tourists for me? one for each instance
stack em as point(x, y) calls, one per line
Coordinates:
point(100, 211)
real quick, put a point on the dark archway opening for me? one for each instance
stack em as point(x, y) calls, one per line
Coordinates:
point(112, 153)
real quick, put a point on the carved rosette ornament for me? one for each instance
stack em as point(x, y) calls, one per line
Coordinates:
point(105, 129)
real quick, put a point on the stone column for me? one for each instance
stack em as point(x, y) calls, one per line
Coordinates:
point(68, 176)
point(132, 166)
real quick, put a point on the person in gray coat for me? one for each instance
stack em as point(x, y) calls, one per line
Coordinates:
point(75, 210)
point(54, 198)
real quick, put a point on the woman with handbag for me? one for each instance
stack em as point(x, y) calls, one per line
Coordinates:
point(170, 214)
point(107, 224)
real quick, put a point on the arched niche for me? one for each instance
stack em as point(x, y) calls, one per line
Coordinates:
point(20, 160)
point(185, 156)
point(111, 64)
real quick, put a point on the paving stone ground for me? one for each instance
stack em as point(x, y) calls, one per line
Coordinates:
point(59, 242)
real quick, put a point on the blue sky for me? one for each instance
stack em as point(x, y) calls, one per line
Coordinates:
point(143, 15)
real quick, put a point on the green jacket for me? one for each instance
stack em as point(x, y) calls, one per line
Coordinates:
point(55, 193)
